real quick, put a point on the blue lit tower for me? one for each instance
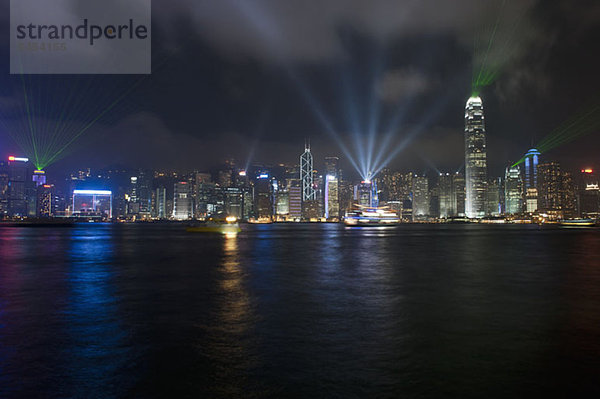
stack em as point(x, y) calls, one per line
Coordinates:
point(531, 167)
point(306, 175)
point(475, 159)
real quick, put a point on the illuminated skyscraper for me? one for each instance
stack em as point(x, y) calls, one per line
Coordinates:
point(183, 202)
point(549, 186)
point(332, 167)
point(589, 194)
point(332, 199)
point(447, 205)
point(420, 192)
point(3, 188)
point(493, 197)
point(39, 177)
point(513, 190)
point(263, 197)
point(92, 204)
point(306, 175)
point(20, 186)
point(161, 203)
point(475, 158)
point(568, 195)
point(295, 198)
point(458, 194)
point(531, 168)
point(46, 201)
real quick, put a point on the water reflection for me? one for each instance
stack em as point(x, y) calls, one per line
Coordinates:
point(231, 347)
point(31, 292)
point(96, 352)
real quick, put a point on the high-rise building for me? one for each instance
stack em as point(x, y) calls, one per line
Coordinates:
point(434, 201)
point(549, 187)
point(390, 186)
point(282, 203)
point(458, 194)
point(183, 202)
point(263, 197)
point(295, 198)
point(531, 160)
point(531, 200)
point(475, 158)
point(493, 197)
point(568, 196)
point(589, 194)
point(20, 186)
point(234, 201)
point(306, 175)
point(420, 195)
point(46, 201)
point(92, 204)
point(332, 199)
point(346, 194)
point(161, 203)
point(3, 189)
point(39, 177)
point(446, 200)
point(144, 193)
point(209, 200)
point(365, 193)
point(332, 167)
point(513, 190)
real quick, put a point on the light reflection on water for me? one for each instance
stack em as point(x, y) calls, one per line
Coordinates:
point(94, 340)
point(298, 310)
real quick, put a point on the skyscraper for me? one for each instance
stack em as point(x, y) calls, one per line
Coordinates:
point(183, 202)
point(493, 197)
point(531, 168)
point(475, 158)
point(332, 167)
point(295, 198)
point(589, 194)
point(306, 175)
point(20, 185)
point(549, 187)
point(420, 192)
point(332, 200)
point(161, 203)
point(458, 194)
point(447, 205)
point(263, 197)
point(513, 190)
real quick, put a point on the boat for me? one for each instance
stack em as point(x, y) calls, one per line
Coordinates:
point(578, 222)
point(228, 226)
point(366, 216)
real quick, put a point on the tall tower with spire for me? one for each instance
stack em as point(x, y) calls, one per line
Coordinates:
point(475, 158)
point(306, 174)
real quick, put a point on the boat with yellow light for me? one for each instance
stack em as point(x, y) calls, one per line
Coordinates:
point(229, 225)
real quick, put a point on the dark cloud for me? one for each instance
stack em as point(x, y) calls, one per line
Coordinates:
point(231, 73)
point(396, 84)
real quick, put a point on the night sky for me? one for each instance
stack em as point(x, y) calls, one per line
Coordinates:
point(232, 78)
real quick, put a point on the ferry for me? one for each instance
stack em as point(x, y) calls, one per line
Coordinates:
point(365, 216)
point(578, 222)
point(227, 226)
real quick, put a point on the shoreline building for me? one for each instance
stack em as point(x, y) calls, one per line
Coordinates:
point(513, 190)
point(475, 159)
point(531, 179)
point(420, 196)
point(92, 204)
point(332, 202)
point(183, 202)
